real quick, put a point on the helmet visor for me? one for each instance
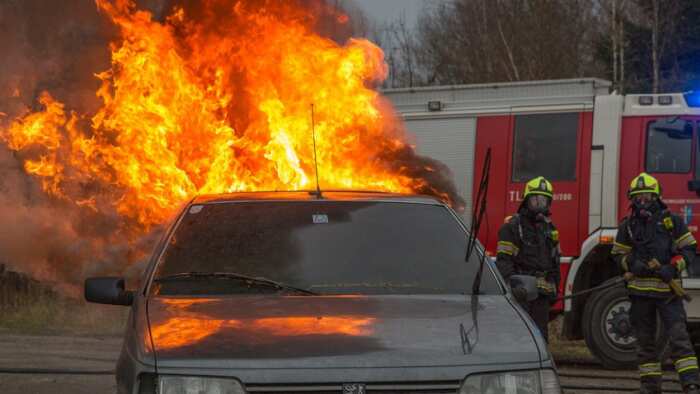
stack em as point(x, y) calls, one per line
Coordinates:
point(538, 203)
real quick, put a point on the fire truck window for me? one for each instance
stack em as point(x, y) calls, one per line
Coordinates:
point(669, 146)
point(545, 144)
point(697, 154)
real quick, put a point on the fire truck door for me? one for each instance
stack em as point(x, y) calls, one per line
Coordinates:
point(669, 157)
point(672, 147)
point(549, 144)
point(668, 150)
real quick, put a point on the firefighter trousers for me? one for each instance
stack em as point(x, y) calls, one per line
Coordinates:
point(643, 318)
point(539, 312)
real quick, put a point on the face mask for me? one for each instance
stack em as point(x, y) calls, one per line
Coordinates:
point(538, 203)
point(643, 201)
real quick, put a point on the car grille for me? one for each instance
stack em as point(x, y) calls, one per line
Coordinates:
point(451, 387)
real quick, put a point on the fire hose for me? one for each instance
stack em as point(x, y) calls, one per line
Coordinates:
point(605, 285)
point(677, 290)
point(675, 287)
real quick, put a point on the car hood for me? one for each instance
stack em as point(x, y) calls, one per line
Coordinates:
point(338, 331)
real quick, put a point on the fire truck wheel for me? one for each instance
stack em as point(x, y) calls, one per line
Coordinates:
point(607, 329)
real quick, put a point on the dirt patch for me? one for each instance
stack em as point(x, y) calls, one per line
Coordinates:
point(565, 351)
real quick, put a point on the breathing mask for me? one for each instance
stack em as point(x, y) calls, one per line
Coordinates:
point(538, 204)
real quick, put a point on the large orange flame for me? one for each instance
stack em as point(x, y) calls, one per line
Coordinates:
point(219, 99)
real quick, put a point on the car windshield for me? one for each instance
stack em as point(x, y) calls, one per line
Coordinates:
point(325, 247)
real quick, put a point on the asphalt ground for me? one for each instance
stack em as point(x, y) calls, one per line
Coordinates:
point(93, 357)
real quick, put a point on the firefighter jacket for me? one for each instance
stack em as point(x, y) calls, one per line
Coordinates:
point(530, 247)
point(662, 236)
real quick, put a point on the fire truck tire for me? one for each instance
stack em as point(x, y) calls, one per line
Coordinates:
point(607, 330)
point(608, 333)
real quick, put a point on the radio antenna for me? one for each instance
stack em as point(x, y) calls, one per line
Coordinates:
point(313, 136)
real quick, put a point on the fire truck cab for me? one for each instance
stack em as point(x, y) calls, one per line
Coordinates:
point(589, 143)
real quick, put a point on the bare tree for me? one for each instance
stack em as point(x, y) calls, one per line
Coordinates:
point(400, 50)
point(613, 35)
point(641, 45)
point(405, 43)
point(655, 46)
point(645, 38)
point(623, 43)
point(463, 41)
point(619, 13)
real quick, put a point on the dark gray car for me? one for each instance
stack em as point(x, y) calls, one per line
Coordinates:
point(347, 293)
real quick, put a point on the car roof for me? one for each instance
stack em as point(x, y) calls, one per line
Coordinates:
point(331, 195)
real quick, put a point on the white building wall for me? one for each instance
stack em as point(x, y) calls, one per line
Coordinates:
point(452, 142)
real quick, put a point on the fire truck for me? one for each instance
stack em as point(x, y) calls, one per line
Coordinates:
point(590, 143)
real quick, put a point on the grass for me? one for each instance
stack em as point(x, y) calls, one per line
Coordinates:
point(49, 314)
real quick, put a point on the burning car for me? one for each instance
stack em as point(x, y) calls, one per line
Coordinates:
point(303, 292)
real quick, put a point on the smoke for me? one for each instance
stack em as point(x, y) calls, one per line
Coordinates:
point(58, 47)
point(53, 46)
point(58, 242)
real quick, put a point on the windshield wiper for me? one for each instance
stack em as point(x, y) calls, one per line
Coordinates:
point(386, 285)
point(250, 280)
point(477, 215)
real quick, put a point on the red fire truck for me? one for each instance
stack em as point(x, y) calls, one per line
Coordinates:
point(590, 143)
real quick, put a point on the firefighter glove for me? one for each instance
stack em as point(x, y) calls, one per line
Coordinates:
point(679, 262)
point(667, 272)
point(654, 265)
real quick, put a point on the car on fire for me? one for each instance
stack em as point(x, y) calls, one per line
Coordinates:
point(347, 292)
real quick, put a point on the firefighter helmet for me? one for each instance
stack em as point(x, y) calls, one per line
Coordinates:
point(644, 183)
point(538, 185)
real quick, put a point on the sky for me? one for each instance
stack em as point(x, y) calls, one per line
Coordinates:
point(387, 10)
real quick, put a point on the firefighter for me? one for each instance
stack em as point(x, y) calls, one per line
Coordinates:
point(528, 244)
point(652, 247)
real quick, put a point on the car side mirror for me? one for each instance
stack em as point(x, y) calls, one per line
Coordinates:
point(107, 290)
point(528, 282)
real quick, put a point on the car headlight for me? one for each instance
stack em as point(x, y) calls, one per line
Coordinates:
point(171, 384)
point(543, 381)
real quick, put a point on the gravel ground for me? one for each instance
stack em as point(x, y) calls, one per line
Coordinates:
point(576, 379)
